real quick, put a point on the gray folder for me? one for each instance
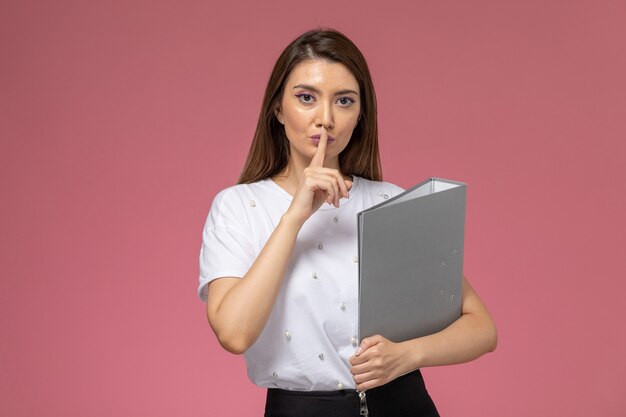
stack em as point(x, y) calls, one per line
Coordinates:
point(411, 261)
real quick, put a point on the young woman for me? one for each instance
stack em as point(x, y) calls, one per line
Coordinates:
point(278, 265)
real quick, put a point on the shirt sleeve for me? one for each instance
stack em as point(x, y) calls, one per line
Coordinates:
point(226, 244)
point(395, 190)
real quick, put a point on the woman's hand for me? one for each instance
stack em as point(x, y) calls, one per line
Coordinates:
point(318, 185)
point(378, 361)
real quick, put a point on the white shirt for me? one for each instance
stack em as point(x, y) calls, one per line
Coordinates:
point(311, 332)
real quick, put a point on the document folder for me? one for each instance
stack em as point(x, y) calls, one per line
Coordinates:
point(411, 261)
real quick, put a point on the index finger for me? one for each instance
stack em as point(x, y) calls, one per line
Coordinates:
point(318, 158)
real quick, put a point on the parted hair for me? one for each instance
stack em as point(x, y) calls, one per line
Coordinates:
point(269, 152)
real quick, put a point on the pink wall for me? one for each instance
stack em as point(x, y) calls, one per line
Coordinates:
point(120, 120)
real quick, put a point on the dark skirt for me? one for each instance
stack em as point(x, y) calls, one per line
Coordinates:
point(405, 396)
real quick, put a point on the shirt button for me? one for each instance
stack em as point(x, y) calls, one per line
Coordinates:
point(321, 356)
point(353, 341)
point(287, 335)
point(355, 259)
point(340, 385)
point(314, 275)
point(274, 374)
point(385, 196)
point(252, 203)
point(320, 246)
point(342, 306)
point(335, 219)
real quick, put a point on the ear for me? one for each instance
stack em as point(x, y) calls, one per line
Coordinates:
point(279, 115)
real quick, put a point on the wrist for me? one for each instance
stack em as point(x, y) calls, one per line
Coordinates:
point(415, 354)
point(291, 220)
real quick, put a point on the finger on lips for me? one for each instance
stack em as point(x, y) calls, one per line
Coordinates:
point(320, 152)
point(338, 187)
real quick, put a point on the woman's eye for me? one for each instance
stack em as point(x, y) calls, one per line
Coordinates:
point(305, 98)
point(345, 101)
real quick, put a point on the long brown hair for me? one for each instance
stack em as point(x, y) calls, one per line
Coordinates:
point(269, 152)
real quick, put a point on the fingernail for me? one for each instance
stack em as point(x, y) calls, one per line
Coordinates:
point(358, 351)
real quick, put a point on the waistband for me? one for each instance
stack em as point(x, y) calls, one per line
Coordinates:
point(404, 396)
point(336, 393)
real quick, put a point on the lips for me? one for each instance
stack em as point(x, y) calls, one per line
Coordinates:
point(316, 138)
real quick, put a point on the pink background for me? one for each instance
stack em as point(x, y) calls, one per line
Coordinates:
point(120, 120)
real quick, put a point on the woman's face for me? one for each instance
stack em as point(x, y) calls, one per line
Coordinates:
point(319, 93)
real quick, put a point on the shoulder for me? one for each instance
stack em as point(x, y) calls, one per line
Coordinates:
point(382, 187)
point(246, 202)
point(240, 195)
point(237, 192)
point(233, 202)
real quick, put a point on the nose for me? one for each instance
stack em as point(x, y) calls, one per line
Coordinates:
point(325, 116)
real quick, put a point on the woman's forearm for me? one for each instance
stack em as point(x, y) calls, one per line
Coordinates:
point(464, 340)
point(378, 360)
point(468, 338)
point(238, 309)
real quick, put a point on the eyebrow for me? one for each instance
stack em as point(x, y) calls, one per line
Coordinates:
point(316, 90)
